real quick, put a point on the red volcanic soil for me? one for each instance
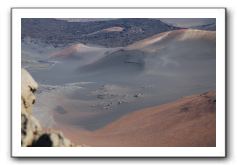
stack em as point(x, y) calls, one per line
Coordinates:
point(70, 50)
point(176, 35)
point(187, 122)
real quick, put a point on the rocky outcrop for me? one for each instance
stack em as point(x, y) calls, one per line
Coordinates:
point(32, 134)
point(28, 87)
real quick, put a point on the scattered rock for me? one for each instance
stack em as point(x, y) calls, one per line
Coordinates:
point(107, 106)
point(120, 102)
point(138, 95)
point(100, 96)
point(184, 109)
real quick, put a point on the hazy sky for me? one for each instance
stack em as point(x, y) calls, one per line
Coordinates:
point(188, 22)
point(182, 22)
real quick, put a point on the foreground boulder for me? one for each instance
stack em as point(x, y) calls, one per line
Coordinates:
point(32, 134)
point(30, 127)
point(28, 87)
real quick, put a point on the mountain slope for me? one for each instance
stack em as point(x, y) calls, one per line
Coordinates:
point(169, 37)
point(211, 27)
point(187, 122)
point(173, 49)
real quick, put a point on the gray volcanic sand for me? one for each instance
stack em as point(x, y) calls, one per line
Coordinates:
point(90, 92)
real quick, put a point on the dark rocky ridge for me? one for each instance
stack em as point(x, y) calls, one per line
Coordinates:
point(61, 32)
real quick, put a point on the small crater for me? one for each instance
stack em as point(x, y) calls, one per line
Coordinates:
point(60, 110)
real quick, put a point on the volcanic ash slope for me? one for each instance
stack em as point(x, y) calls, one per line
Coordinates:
point(187, 122)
